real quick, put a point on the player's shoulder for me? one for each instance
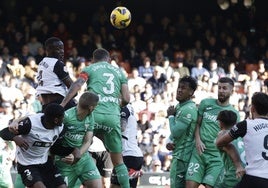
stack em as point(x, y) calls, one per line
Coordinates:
point(209, 101)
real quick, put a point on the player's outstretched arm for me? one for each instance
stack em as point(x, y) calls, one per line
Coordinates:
point(234, 155)
point(74, 88)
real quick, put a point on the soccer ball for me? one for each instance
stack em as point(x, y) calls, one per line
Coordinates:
point(120, 17)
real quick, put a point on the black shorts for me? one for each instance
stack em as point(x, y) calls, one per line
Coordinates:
point(249, 181)
point(103, 162)
point(132, 163)
point(47, 173)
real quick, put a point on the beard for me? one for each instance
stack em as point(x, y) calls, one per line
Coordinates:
point(223, 99)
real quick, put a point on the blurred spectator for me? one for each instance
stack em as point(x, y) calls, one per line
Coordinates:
point(40, 54)
point(215, 71)
point(180, 68)
point(158, 80)
point(146, 145)
point(16, 69)
point(31, 70)
point(147, 94)
point(135, 79)
point(34, 45)
point(231, 72)
point(146, 70)
point(262, 72)
point(198, 71)
point(168, 70)
point(156, 166)
point(24, 54)
point(3, 68)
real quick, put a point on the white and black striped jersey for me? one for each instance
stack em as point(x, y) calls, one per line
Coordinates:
point(255, 137)
point(39, 139)
point(51, 72)
point(129, 135)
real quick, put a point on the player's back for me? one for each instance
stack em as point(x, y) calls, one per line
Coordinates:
point(106, 81)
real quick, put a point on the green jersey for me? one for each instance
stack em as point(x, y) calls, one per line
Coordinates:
point(208, 110)
point(76, 129)
point(182, 128)
point(106, 81)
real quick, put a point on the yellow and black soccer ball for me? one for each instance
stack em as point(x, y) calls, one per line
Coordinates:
point(120, 17)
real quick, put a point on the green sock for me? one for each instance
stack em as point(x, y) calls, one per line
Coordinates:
point(18, 182)
point(122, 175)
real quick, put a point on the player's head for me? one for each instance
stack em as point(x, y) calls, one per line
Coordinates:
point(227, 118)
point(88, 101)
point(225, 89)
point(259, 104)
point(54, 48)
point(54, 114)
point(186, 88)
point(101, 54)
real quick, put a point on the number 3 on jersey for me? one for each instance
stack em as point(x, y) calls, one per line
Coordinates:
point(110, 84)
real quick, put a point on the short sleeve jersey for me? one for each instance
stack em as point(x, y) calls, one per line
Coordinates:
point(186, 113)
point(105, 80)
point(255, 136)
point(209, 110)
point(76, 129)
point(51, 72)
point(39, 139)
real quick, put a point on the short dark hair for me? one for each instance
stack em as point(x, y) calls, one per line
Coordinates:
point(51, 41)
point(101, 54)
point(226, 80)
point(88, 99)
point(190, 80)
point(228, 117)
point(260, 103)
point(53, 110)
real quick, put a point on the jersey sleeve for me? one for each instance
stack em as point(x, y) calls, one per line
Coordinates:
point(60, 70)
point(239, 130)
point(123, 77)
point(201, 107)
point(125, 113)
point(180, 123)
point(84, 75)
point(25, 126)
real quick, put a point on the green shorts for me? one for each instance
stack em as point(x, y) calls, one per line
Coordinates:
point(84, 169)
point(204, 168)
point(177, 173)
point(108, 128)
point(227, 179)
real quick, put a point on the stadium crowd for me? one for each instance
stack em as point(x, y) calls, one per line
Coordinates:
point(153, 53)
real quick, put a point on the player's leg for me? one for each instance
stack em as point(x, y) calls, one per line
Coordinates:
point(88, 172)
point(112, 141)
point(105, 166)
point(68, 172)
point(214, 166)
point(134, 165)
point(195, 171)
point(177, 173)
